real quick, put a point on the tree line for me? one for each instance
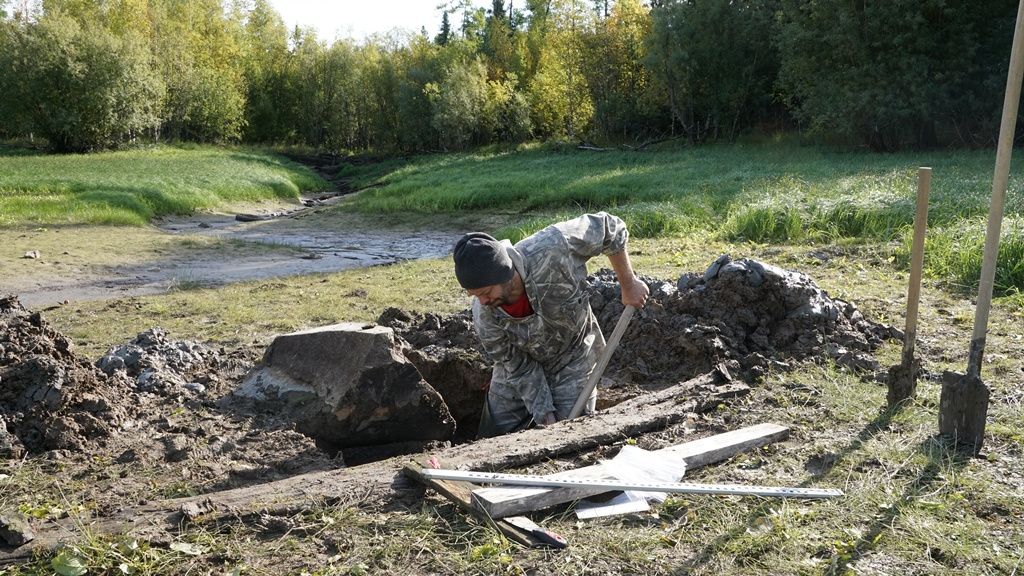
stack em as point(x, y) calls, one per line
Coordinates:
point(96, 74)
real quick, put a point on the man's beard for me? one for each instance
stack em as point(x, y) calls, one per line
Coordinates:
point(502, 300)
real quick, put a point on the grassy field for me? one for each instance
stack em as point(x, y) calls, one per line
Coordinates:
point(913, 505)
point(786, 194)
point(134, 187)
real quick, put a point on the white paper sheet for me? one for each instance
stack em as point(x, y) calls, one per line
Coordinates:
point(639, 466)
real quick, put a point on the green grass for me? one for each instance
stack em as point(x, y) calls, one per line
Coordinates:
point(844, 193)
point(785, 194)
point(954, 253)
point(134, 187)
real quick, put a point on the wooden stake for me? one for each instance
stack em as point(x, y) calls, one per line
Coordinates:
point(902, 380)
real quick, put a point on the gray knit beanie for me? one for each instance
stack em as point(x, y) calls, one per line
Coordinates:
point(481, 261)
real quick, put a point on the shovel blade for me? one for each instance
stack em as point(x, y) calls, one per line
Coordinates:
point(963, 408)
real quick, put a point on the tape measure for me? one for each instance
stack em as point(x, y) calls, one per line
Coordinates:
point(669, 487)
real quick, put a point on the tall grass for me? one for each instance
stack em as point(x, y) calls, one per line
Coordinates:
point(133, 187)
point(954, 253)
point(783, 194)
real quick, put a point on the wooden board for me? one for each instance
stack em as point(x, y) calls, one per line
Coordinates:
point(460, 493)
point(499, 502)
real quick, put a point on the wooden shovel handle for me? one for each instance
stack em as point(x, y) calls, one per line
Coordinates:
point(1004, 150)
point(602, 362)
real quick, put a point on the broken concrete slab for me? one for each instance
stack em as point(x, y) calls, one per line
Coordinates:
point(348, 384)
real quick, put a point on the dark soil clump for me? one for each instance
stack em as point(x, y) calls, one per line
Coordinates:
point(49, 398)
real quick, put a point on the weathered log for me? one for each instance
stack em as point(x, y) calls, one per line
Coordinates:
point(158, 521)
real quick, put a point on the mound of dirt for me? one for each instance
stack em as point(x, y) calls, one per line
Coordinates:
point(49, 398)
point(151, 402)
point(742, 313)
point(747, 315)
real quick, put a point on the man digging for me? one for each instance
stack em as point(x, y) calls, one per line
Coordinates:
point(532, 314)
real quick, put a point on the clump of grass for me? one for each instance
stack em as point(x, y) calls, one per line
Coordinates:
point(867, 206)
point(954, 253)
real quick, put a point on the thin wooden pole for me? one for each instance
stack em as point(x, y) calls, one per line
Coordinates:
point(902, 380)
point(924, 179)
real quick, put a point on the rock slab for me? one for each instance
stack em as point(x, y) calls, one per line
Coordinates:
point(348, 384)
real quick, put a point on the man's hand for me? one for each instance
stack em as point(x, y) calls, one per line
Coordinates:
point(634, 292)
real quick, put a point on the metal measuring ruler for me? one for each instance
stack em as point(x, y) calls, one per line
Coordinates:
point(669, 487)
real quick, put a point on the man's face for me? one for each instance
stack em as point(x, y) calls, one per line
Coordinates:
point(493, 296)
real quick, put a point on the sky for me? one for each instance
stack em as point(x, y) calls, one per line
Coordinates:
point(360, 18)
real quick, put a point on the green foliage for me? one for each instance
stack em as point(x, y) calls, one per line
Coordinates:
point(324, 98)
point(612, 72)
point(628, 104)
point(716, 62)
point(560, 102)
point(887, 72)
point(457, 104)
point(76, 84)
point(422, 67)
point(270, 90)
point(199, 59)
point(506, 113)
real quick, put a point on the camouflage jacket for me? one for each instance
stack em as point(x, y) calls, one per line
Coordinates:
point(557, 346)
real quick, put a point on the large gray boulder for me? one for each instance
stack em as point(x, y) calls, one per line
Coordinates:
point(348, 384)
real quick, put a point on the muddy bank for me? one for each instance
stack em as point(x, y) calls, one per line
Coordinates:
point(214, 249)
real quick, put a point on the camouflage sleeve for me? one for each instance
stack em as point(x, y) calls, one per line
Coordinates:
point(593, 234)
point(525, 377)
